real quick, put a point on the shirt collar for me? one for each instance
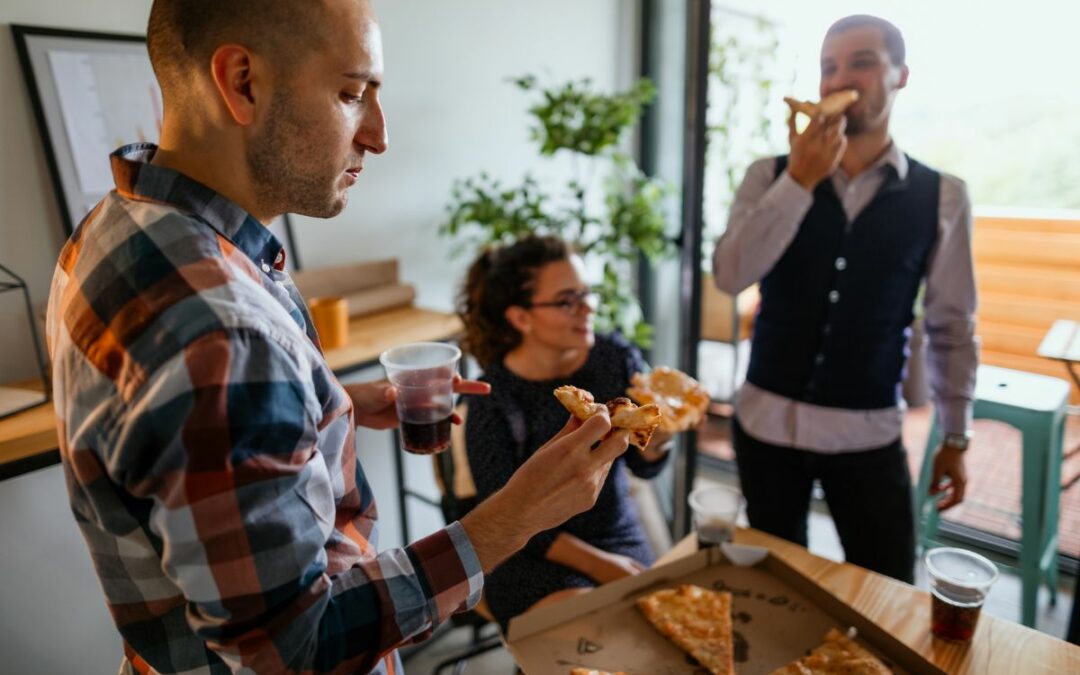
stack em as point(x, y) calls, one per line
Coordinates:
point(896, 159)
point(139, 180)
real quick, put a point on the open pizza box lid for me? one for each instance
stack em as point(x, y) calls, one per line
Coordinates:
point(778, 615)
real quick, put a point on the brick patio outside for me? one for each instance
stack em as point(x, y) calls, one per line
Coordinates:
point(993, 497)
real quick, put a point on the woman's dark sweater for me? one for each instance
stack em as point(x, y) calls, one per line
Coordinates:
point(496, 450)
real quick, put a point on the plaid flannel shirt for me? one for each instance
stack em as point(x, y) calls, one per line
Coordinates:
point(209, 450)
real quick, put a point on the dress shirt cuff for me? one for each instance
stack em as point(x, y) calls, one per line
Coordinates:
point(786, 194)
point(955, 416)
point(470, 565)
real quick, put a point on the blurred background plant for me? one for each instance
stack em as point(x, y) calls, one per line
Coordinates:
point(609, 209)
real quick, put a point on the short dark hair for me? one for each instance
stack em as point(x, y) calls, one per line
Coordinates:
point(501, 277)
point(894, 41)
point(183, 34)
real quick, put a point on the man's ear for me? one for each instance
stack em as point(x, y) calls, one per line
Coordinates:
point(519, 318)
point(902, 82)
point(232, 71)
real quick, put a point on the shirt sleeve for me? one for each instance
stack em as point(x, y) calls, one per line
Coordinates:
point(222, 445)
point(764, 220)
point(949, 310)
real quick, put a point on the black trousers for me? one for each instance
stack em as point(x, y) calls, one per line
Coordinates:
point(868, 493)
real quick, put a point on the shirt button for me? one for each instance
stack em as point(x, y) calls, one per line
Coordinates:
point(265, 268)
point(834, 297)
point(819, 359)
point(827, 329)
point(841, 264)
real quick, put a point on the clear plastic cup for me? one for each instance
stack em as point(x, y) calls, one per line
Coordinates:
point(959, 582)
point(423, 375)
point(715, 510)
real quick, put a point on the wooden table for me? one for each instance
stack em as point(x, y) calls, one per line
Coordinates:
point(1062, 343)
point(999, 646)
point(28, 439)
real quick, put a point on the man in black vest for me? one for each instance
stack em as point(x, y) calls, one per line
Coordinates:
point(841, 234)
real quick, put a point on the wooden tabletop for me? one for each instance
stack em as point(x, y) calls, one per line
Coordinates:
point(32, 433)
point(1062, 342)
point(371, 335)
point(28, 433)
point(999, 645)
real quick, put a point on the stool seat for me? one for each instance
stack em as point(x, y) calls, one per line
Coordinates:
point(1035, 405)
point(1025, 391)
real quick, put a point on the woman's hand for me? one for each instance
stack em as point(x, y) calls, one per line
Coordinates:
point(611, 566)
point(599, 565)
point(374, 402)
point(659, 446)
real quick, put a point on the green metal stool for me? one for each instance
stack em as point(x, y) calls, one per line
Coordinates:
point(1036, 405)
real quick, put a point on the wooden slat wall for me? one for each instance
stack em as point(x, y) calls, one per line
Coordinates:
point(1028, 276)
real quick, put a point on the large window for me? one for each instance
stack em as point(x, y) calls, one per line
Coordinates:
point(992, 98)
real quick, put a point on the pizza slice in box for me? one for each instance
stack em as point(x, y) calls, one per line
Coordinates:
point(838, 655)
point(697, 620)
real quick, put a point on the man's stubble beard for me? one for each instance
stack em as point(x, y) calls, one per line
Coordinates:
point(287, 171)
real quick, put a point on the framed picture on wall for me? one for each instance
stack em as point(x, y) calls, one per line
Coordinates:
point(91, 94)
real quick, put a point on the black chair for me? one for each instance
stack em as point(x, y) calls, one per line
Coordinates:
point(454, 478)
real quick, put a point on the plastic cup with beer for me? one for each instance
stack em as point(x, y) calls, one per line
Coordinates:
point(715, 510)
point(423, 375)
point(959, 582)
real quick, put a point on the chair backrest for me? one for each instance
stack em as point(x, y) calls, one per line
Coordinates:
point(452, 473)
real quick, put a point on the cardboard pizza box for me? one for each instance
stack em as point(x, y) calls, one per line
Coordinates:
point(778, 615)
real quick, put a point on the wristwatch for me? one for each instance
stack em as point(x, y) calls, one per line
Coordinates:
point(958, 441)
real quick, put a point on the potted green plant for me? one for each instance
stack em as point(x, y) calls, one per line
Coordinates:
point(609, 209)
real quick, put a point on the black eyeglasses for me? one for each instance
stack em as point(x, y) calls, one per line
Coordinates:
point(570, 303)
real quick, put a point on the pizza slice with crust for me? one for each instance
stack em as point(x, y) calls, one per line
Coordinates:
point(640, 421)
point(697, 620)
point(830, 106)
point(838, 655)
point(681, 399)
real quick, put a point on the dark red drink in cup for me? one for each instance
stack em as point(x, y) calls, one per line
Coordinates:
point(423, 375)
point(959, 582)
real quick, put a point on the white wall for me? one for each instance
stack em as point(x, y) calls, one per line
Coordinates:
point(451, 113)
point(31, 232)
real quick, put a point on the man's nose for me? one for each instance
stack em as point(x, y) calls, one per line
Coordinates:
point(372, 134)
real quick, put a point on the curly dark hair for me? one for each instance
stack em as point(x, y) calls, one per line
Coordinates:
point(501, 277)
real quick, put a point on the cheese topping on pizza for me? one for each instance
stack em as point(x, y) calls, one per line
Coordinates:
point(697, 620)
point(640, 421)
point(682, 401)
point(838, 655)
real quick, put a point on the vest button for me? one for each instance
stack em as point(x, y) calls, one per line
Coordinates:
point(834, 297)
point(819, 359)
point(827, 329)
point(841, 264)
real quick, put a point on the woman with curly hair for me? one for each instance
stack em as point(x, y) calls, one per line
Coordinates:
point(528, 317)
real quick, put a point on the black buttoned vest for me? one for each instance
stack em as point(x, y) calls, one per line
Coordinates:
point(833, 326)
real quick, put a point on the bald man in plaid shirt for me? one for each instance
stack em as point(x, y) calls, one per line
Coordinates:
point(208, 449)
